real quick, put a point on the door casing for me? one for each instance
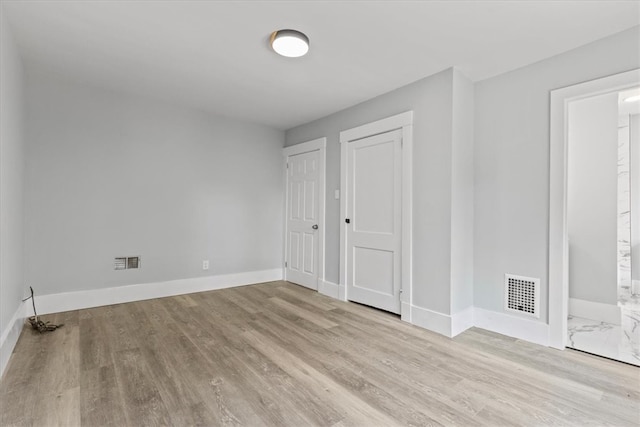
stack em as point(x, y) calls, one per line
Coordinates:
point(402, 121)
point(558, 283)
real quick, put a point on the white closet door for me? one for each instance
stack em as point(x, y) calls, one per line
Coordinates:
point(373, 231)
point(302, 219)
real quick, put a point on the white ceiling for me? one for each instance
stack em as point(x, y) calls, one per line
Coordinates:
point(215, 55)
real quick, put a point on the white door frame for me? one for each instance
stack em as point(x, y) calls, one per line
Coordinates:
point(558, 158)
point(402, 121)
point(320, 145)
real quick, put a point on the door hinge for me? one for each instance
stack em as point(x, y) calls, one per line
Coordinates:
point(287, 165)
point(285, 264)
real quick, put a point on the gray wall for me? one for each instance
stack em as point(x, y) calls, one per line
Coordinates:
point(512, 161)
point(11, 179)
point(431, 99)
point(111, 174)
point(462, 193)
point(592, 200)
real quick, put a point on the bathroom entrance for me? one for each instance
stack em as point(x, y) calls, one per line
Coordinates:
point(603, 193)
point(594, 217)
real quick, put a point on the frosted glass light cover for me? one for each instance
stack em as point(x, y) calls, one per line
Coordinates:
point(290, 43)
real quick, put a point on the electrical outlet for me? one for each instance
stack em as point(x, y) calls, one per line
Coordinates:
point(205, 264)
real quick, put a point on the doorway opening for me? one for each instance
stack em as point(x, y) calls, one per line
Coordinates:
point(594, 217)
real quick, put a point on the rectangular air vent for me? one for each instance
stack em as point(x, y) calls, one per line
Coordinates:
point(126, 263)
point(522, 295)
point(133, 262)
point(120, 263)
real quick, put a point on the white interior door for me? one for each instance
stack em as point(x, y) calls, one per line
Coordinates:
point(373, 231)
point(302, 219)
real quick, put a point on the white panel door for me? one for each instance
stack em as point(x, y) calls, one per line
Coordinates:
point(373, 231)
point(302, 219)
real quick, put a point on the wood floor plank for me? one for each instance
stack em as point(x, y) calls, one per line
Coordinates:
point(236, 296)
point(206, 365)
point(383, 376)
point(357, 361)
point(535, 357)
point(101, 402)
point(351, 403)
point(303, 314)
point(550, 404)
point(302, 296)
point(277, 354)
point(62, 361)
point(143, 404)
point(60, 409)
point(95, 348)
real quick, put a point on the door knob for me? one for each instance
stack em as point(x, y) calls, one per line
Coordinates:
point(314, 226)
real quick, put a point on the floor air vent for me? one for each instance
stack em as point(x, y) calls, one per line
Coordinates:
point(522, 295)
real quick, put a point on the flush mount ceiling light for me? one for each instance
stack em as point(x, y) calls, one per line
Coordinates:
point(289, 43)
point(632, 98)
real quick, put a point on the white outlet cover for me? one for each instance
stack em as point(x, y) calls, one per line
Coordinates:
point(336, 194)
point(205, 264)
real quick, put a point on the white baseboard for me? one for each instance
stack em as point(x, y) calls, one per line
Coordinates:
point(329, 289)
point(342, 292)
point(444, 324)
point(609, 313)
point(452, 325)
point(10, 336)
point(440, 323)
point(512, 326)
point(56, 303)
point(405, 311)
point(431, 320)
point(462, 320)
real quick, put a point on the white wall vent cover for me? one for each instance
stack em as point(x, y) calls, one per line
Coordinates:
point(126, 263)
point(522, 295)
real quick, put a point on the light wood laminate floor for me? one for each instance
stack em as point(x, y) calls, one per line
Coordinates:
point(279, 354)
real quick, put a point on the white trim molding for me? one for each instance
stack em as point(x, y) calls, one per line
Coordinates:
point(462, 320)
point(305, 147)
point(329, 289)
point(443, 324)
point(609, 313)
point(513, 326)
point(402, 121)
point(320, 145)
point(558, 238)
point(431, 320)
point(56, 303)
point(10, 336)
point(379, 126)
point(522, 328)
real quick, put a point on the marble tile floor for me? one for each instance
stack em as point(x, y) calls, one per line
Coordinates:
point(618, 342)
